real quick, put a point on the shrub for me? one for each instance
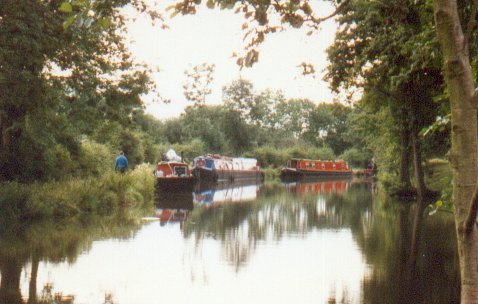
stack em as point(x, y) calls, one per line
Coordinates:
point(94, 159)
point(269, 156)
point(103, 196)
point(13, 200)
point(356, 157)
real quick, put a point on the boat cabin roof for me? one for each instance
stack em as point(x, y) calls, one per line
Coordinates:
point(318, 160)
point(171, 163)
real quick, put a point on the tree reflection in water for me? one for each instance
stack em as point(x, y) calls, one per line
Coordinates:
point(48, 241)
point(380, 228)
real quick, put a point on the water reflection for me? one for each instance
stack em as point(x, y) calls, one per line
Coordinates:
point(213, 194)
point(314, 241)
point(173, 207)
point(318, 185)
point(24, 247)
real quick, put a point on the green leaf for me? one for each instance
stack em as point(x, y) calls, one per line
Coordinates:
point(66, 7)
point(68, 22)
point(104, 22)
point(82, 3)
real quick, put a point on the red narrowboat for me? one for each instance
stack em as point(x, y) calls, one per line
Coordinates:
point(297, 168)
point(173, 176)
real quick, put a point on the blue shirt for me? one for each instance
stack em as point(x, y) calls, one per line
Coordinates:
point(121, 162)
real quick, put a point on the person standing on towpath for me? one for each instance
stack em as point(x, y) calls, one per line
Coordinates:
point(121, 163)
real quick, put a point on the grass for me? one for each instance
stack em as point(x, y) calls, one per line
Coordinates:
point(103, 196)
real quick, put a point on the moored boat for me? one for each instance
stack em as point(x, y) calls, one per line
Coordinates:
point(173, 174)
point(297, 168)
point(216, 168)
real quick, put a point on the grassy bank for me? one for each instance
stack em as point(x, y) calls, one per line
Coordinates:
point(103, 196)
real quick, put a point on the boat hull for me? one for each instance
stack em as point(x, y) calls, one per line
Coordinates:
point(175, 184)
point(214, 175)
point(297, 173)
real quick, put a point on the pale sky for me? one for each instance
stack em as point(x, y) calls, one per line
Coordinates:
point(211, 36)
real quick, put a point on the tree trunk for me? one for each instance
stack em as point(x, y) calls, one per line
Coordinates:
point(11, 269)
point(418, 168)
point(404, 174)
point(32, 290)
point(464, 150)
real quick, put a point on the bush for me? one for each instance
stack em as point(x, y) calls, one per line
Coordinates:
point(103, 196)
point(94, 159)
point(356, 157)
point(269, 156)
point(13, 200)
point(132, 145)
point(58, 162)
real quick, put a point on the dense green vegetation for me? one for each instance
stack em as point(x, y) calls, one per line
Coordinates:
point(73, 100)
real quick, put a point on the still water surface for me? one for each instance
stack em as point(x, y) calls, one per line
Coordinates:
point(325, 241)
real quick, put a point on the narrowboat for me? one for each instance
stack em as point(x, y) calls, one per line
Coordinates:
point(297, 168)
point(173, 175)
point(214, 168)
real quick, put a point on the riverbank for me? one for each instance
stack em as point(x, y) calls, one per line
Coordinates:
point(102, 196)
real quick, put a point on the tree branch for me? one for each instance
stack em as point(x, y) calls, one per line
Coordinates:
point(336, 12)
point(472, 213)
point(471, 22)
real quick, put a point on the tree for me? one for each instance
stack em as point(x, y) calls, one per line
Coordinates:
point(455, 45)
point(198, 80)
point(239, 96)
point(389, 50)
point(60, 76)
point(293, 115)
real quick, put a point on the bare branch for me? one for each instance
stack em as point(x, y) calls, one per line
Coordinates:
point(336, 12)
point(472, 213)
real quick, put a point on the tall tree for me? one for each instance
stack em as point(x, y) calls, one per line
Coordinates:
point(455, 44)
point(61, 72)
point(198, 81)
point(389, 49)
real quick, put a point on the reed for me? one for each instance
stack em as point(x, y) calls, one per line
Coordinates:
point(102, 196)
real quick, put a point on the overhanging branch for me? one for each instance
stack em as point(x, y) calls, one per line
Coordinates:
point(336, 12)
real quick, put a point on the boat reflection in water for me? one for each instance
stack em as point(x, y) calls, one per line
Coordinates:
point(212, 194)
point(173, 207)
point(318, 185)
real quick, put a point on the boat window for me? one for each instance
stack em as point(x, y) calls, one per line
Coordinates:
point(333, 165)
point(180, 170)
point(323, 166)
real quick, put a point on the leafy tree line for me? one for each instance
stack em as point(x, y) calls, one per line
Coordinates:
point(64, 80)
point(259, 124)
point(70, 99)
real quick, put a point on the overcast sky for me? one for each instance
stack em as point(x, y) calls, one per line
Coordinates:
point(211, 36)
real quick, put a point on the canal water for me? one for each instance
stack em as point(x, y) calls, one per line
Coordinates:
point(320, 241)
